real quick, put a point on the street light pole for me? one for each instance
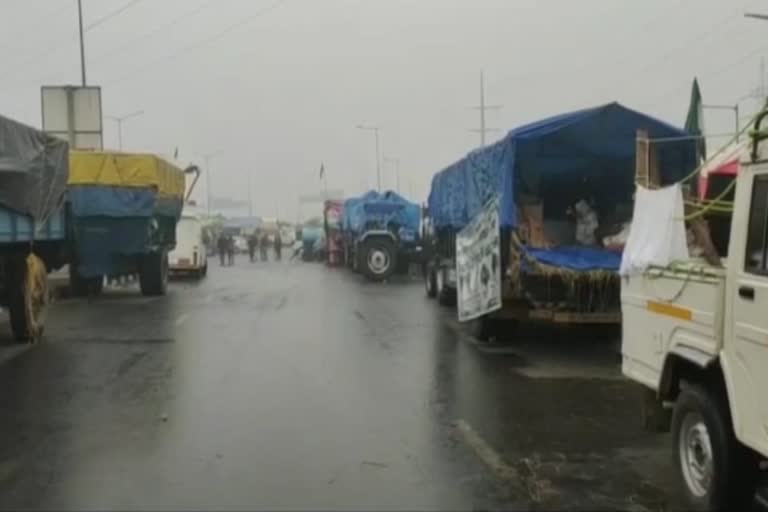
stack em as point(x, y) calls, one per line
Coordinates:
point(82, 40)
point(250, 198)
point(119, 120)
point(395, 161)
point(375, 130)
point(207, 159)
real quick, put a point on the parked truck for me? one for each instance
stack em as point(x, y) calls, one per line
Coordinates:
point(33, 179)
point(380, 233)
point(521, 230)
point(125, 208)
point(695, 336)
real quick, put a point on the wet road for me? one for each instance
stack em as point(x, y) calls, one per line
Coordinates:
point(292, 386)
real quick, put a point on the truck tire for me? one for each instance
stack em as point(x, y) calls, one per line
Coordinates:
point(153, 273)
point(445, 296)
point(716, 471)
point(28, 299)
point(378, 258)
point(80, 286)
point(430, 281)
point(485, 328)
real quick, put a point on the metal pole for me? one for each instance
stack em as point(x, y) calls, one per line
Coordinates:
point(378, 163)
point(208, 183)
point(738, 121)
point(397, 175)
point(250, 198)
point(119, 134)
point(82, 40)
point(482, 110)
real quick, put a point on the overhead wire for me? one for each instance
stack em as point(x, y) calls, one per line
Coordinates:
point(38, 19)
point(198, 44)
point(113, 14)
point(52, 48)
point(132, 42)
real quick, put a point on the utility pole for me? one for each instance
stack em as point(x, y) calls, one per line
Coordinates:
point(207, 159)
point(483, 108)
point(82, 40)
point(375, 130)
point(395, 161)
point(250, 197)
point(119, 120)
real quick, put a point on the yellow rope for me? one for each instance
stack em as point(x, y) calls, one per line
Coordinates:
point(711, 206)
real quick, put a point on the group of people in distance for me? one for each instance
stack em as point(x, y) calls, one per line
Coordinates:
point(257, 240)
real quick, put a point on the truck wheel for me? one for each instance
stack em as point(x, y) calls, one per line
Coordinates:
point(485, 328)
point(379, 258)
point(28, 297)
point(717, 472)
point(445, 296)
point(153, 273)
point(430, 281)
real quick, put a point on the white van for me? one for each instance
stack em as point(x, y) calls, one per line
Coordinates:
point(189, 256)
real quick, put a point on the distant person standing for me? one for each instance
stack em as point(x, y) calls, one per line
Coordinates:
point(278, 247)
point(230, 250)
point(264, 246)
point(222, 244)
point(253, 241)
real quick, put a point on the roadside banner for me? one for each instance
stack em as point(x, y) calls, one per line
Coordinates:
point(478, 264)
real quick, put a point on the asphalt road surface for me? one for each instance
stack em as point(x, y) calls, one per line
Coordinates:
point(293, 386)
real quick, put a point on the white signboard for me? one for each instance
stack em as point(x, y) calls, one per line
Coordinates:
point(478, 264)
point(73, 113)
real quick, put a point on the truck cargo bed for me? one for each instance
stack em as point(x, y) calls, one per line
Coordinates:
point(16, 227)
point(669, 310)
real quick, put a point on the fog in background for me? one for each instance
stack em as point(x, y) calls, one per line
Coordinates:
point(279, 86)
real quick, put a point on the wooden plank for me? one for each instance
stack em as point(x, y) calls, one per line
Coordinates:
point(642, 175)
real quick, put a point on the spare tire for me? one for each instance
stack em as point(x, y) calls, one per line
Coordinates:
point(378, 258)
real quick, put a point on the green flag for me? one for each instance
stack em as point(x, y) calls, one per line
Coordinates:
point(694, 122)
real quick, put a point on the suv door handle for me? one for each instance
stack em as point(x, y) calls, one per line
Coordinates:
point(747, 292)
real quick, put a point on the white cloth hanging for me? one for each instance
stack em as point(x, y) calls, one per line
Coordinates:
point(657, 234)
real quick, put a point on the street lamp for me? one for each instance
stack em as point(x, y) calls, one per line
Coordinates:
point(119, 120)
point(735, 109)
point(756, 16)
point(375, 130)
point(207, 158)
point(395, 161)
point(82, 40)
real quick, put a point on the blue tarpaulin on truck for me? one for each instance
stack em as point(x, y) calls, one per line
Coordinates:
point(577, 258)
point(593, 144)
point(382, 209)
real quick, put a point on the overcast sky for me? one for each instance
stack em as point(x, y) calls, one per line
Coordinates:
point(279, 86)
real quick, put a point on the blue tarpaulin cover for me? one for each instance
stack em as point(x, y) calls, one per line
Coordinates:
point(578, 258)
point(382, 209)
point(596, 143)
point(120, 202)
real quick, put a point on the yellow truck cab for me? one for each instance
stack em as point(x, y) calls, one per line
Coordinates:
point(696, 337)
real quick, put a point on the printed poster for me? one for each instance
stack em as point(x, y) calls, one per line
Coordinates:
point(478, 264)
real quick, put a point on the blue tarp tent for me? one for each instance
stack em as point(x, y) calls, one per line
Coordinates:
point(593, 144)
point(381, 208)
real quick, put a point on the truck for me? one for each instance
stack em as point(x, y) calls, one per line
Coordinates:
point(125, 207)
point(33, 223)
point(380, 234)
point(333, 212)
point(695, 337)
point(523, 229)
